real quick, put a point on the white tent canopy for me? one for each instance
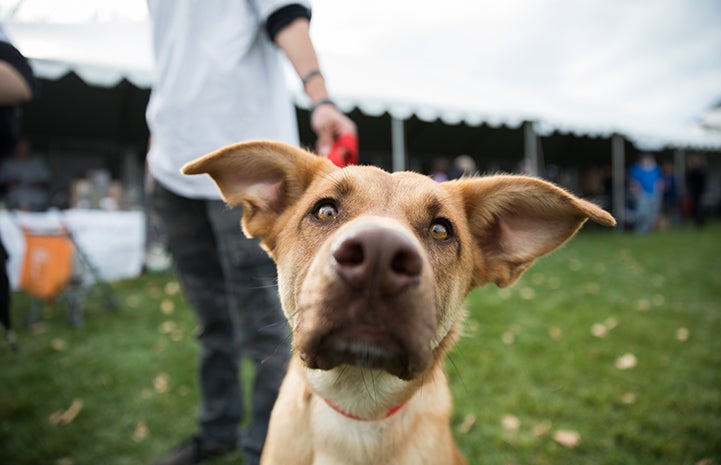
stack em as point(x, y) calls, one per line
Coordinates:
point(645, 70)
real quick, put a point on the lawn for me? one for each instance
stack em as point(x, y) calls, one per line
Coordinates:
point(606, 352)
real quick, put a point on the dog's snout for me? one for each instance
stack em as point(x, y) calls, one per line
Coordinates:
point(379, 259)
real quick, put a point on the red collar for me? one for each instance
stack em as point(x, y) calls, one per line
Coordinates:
point(389, 413)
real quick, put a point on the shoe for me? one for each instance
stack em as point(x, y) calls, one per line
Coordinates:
point(196, 450)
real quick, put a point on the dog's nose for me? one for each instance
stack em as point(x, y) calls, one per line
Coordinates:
point(378, 256)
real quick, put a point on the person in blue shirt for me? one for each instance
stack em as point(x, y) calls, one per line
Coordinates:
point(646, 185)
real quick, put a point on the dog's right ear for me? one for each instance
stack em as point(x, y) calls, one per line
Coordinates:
point(263, 177)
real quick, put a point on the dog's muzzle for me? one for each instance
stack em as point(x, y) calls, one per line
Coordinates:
point(368, 301)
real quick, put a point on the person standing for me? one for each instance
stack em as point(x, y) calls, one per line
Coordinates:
point(646, 184)
point(219, 80)
point(17, 86)
point(696, 186)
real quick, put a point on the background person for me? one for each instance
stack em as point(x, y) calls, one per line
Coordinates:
point(646, 184)
point(17, 86)
point(696, 186)
point(25, 180)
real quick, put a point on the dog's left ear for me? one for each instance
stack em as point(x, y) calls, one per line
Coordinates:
point(264, 177)
point(516, 219)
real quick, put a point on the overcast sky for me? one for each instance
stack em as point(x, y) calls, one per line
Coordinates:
point(639, 55)
point(653, 61)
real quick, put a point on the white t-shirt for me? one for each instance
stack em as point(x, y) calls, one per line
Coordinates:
point(218, 80)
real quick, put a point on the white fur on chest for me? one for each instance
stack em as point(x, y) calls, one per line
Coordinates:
point(399, 438)
point(364, 393)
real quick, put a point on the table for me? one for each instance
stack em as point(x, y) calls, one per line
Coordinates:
point(114, 242)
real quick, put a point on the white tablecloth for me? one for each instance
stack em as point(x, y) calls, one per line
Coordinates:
point(114, 242)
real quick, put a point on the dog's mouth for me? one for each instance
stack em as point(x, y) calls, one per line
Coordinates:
point(365, 346)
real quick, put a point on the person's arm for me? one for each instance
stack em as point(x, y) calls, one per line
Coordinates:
point(326, 120)
point(16, 79)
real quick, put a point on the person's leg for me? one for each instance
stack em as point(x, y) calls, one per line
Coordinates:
point(644, 213)
point(192, 245)
point(262, 331)
point(5, 319)
point(5, 300)
point(655, 211)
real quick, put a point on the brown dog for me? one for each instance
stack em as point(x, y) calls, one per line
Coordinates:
point(373, 269)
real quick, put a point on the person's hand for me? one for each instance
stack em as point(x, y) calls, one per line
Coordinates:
point(329, 123)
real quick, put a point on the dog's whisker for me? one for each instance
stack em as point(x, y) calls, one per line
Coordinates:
point(284, 343)
point(273, 324)
point(261, 287)
point(452, 362)
point(341, 375)
point(365, 384)
point(371, 388)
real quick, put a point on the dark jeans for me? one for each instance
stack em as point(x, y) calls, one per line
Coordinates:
point(230, 284)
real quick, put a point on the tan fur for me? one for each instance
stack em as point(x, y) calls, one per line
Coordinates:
point(368, 350)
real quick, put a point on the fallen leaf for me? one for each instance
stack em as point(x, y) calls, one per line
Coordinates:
point(658, 300)
point(167, 327)
point(65, 461)
point(141, 431)
point(643, 305)
point(468, 421)
point(161, 383)
point(599, 330)
point(626, 361)
point(611, 322)
point(682, 334)
point(59, 344)
point(628, 398)
point(527, 293)
point(167, 306)
point(65, 417)
point(172, 288)
point(508, 338)
point(567, 438)
point(555, 333)
point(510, 423)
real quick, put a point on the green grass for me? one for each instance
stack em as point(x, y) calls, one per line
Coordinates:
point(528, 367)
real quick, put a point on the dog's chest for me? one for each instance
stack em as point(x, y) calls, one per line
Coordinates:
point(349, 442)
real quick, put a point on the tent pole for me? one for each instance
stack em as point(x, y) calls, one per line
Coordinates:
point(398, 144)
point(530, 145)
point(618, 157)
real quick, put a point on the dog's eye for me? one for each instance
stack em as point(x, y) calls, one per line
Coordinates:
point(326, 211)
point(440, 230)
